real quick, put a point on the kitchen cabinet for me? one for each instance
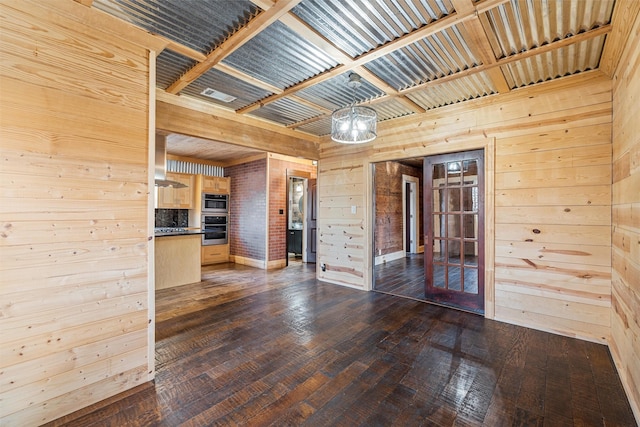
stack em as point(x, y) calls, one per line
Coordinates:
point(176, 260)
point(177, 198)
point(214, 254)
point(215, 184)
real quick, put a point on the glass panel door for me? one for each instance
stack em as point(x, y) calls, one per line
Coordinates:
point(454, 219)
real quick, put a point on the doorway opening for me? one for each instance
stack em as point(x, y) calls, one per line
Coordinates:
point(295, 218)
point(301, 239)
point(410, 213)
point(444, 263)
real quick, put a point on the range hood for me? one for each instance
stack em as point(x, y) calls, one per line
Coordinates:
point(161, 164)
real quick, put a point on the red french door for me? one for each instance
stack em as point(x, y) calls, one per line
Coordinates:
point(454, 225)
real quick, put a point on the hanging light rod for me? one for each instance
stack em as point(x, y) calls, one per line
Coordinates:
point(354, 124)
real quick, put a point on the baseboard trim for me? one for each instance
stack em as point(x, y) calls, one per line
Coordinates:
point(389, 257)
point(275, 264)
point(257, 263)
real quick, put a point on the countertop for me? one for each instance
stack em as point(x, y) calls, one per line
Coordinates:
point(187, 232)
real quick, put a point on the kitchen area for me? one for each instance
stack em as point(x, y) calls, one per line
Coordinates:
point(213, 209)
point(191, 218)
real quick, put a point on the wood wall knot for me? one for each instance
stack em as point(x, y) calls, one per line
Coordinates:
point(567, 209)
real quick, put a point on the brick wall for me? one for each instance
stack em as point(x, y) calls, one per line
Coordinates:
point(388, 193)
point(277, 201)
point(248, 209)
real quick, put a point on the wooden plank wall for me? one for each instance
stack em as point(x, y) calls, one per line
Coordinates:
point(625, 316)
point(344, 246)
point(551, 147)
point(74, 103)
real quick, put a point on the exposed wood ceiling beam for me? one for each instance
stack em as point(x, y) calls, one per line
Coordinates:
point(513, 58)
point(479, 43)
point(183, 50)
point(487, 67)
point(434, 27)
point(247, 78)
point(307, 121)
point(234, 42)
point(308, 33)
point(311, 35)
point(223, 114)
point(303, 29)
point(310, 104)
point(388, 89)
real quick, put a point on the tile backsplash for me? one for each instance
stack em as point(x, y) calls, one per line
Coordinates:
point(172, 218)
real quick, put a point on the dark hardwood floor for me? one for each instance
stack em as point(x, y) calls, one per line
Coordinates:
point(405, 277)
point(250, 347)
point(402, 277)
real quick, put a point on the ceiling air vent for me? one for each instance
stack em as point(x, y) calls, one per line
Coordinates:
point(212, 93)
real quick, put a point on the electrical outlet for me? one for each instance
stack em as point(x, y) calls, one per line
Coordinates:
point(323, 267)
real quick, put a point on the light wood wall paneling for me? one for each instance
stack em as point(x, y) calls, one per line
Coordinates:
point(178, 119)
point(568, 157)
point(59, 294)
point(559, 277)
point(568, 177)
point(39, 412)
point(625, 315)
point(555, 215)
point(553, 196)
point(27, 232)
point(558, 252)
point(567, 233)
point(54, 364)
point(341, 233)
point(552, 151)
point(583, 136)
point(74, 145)
point(111, 270)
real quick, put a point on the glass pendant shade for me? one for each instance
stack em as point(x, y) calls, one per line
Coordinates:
point(354, 125)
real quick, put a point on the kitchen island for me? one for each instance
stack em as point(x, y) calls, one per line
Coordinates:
point(177, 258)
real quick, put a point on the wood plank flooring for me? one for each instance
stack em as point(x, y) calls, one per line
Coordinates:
point(257, 348)
point(402, 277)
point(405, 277)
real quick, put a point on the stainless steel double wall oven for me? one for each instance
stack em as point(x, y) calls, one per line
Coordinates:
point(215, 219)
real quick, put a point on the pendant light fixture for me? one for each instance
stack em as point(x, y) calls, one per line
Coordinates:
point(354, 124)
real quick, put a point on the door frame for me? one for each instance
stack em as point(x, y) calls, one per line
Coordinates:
point(442, 147)
point(305, 176)
point(414, 210)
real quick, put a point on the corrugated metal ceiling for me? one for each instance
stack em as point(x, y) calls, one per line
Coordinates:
point(425, 60)
point(280, 57)
point(295, 70)
point(358, 26)
point(198, 24)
